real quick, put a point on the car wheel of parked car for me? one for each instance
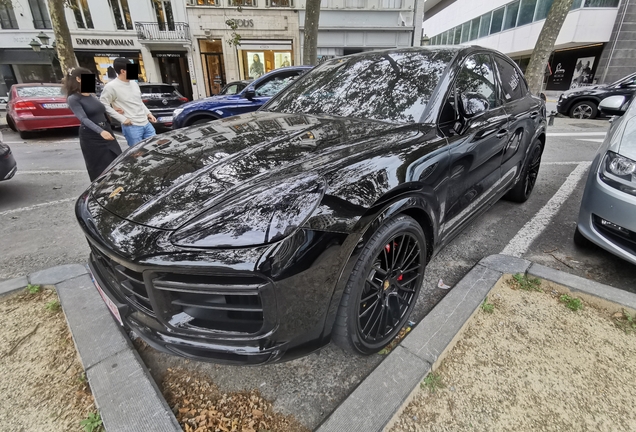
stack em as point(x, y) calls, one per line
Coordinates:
point(584, 110)
point(10, 123)
point(382, 288)
point(25, 134)
point(580, 240)
point(523, 189)
point(201, 120)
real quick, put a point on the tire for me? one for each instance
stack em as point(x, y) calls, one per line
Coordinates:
point(580, 240)
point(25, 134)
point(522, 190)
point(10, 123)
point(585, 110)
point(201, 120)
point(362, 328)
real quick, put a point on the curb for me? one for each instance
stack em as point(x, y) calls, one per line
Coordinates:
point(379, 397)
point(125, 394)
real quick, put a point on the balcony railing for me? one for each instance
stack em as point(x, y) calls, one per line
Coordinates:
point(162, 31)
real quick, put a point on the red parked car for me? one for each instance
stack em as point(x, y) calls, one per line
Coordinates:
point(35, 107)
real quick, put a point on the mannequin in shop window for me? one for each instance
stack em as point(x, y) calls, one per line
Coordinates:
point(256, 70)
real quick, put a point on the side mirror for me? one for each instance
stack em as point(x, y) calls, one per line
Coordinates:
point(250, 94)
point(613, 105)
point(472, 104)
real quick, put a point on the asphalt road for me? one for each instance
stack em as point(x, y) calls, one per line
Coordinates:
point(38, 230)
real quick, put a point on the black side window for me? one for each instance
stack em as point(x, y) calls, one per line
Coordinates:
point(475, 82)
point(512, 82)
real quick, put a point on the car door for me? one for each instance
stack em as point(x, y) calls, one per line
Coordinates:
point(476, 142)
point(524, 114)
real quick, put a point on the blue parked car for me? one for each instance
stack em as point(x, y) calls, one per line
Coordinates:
point(249, 99)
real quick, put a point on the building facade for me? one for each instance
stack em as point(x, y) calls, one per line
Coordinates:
point(153, 33)
point(352, 26)
point(269, 39)
point(513, 28)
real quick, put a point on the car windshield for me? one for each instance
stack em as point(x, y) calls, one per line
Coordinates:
point(39, 91)
point(382, 86)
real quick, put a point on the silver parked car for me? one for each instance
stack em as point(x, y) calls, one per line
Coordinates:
point(608, 209)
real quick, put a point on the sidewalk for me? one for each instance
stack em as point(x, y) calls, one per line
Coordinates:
point(129, 400)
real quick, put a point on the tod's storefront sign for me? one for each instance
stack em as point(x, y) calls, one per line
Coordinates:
point(109, 42)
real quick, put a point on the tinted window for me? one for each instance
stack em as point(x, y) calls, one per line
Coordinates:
point(543, 8)
point(484, 27)
point(39, 91)
point(274, 85)
point(497, 21)
point(474, 29)
point(511, 80)
point(477, 76)
point(380, 86)
point(511, 15)
point(526, 13)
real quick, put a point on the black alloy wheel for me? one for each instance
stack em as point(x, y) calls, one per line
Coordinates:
point(524, 187)
point(584, 110)
point(383, 287)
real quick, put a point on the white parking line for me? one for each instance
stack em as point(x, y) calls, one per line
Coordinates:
point(64, 172)
point(520, 243)
point(574, 134)
point(36, 206)
point(560, 163)
point(598, 140)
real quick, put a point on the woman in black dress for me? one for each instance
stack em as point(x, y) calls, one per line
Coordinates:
point(97, 141)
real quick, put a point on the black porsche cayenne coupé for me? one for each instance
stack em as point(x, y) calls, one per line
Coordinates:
point(263, 236)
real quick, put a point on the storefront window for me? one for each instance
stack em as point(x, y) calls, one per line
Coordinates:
point(543, 7)
point(511, 15)
point(102, 64)
point(213, 67)
point(256, 63)
point(526, 13)
point(34, 73)
point(242, 2)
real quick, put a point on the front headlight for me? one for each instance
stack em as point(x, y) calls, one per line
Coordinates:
point(258, 216)
point(176, 112)
point(619, 172)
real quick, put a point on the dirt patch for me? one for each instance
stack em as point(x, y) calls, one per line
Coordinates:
point(201, 407)
point(532, 363)
point(42, 387)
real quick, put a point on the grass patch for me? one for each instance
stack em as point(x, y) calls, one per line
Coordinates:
point(33, 289)
point(571, 303)
point(53, 306)
point(92, 423)
point(432, 383)
point(523, 282)
point(625, 321)
point(487, 307)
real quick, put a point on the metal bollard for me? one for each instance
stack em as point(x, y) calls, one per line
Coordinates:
point(551, 118)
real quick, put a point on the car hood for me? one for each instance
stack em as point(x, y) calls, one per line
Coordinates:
point(169, 179)
point(204, 103)
point(595, 89)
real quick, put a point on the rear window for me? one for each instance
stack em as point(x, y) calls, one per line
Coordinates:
point(164, 90)
point(39, 91)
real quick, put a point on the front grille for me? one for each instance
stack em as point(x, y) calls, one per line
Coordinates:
point(127, 283)
point(617, 234)
point(219, 302)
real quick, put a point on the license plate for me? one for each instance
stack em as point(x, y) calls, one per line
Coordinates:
point(55, 106)
point(164, 119)
point(109, 303)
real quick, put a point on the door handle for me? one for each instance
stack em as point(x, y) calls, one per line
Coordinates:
point(502, 133)
point(534, 115)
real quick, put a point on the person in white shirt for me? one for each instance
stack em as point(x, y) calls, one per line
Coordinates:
point(126, 95)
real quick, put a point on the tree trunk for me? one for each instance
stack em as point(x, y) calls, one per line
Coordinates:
point(535, 73)
point(63, 41)
point(312, 15)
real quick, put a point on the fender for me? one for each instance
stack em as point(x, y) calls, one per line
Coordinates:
point(414, 205)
